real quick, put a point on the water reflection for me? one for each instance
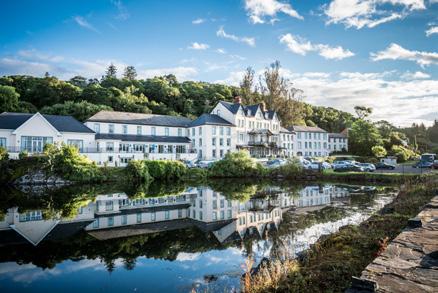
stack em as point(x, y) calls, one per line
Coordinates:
point(198, 237)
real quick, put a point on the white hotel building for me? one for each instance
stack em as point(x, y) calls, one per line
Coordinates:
point(114, 138)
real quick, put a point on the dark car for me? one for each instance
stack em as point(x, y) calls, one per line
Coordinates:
point(435, 165)
point(350, 168)
point(423, 164)
point(384, 166)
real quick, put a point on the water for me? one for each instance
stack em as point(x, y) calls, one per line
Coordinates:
point(166, 238)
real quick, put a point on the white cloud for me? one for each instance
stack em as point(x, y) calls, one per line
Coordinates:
point(415, 75)
point(391, 96)
point(198, 46)
point(301, 46)
point(431, 31)
point(397, 52)
point(82, 22)
point(198, 21)
point(181, 72)
point(122, 12)
point(221, 51)
point(34, 54)
point(258, 10)
point(369, 13)
point(247, 40)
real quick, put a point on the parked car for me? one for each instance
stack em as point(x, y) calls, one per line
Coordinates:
point(435, 165)
point(319, 165)
point(204, 164)
point(350, 168)
point(276, 163)
point(190, 164)
point(423, 164)
point(340, 165)
point(384, 166)
point(368, 167)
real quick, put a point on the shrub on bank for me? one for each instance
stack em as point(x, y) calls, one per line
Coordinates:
point(137, 172)
point(235, 164)
point(166, 169)
point(291, 168)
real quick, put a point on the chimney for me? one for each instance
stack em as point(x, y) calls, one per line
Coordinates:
point(263, 106)
point(237, 100)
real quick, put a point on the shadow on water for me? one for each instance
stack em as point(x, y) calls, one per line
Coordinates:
point(212, 226)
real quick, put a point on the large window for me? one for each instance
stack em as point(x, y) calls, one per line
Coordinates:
point(35, 144)
point(213, 130)
point(79, 143)
point(111, 128)
point(139, 130)
point(180, 149)
point(125, 129)
point(3, 142)
point(153, 131)
point(180, 131)
point(166, 131)
point(109, 146)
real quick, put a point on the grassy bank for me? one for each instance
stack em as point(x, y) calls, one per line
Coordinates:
point(329, 265)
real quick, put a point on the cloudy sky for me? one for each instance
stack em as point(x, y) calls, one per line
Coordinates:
point(377, 53)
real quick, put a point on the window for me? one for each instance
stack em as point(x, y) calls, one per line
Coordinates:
point(214, 216)
point(180, 149)
point(153, 131)
point(299, 135)
point(111, 128)
point(110, 221)
point(125, 129)
point(221, 130)
point(221, 141)
point(213, 130)
point(167, 215)
point(139, 130)
point(221, 152)
point(228, 130)
point(229, 214)
point(96, 223)
point(166, 131)
point(3, 142)
point(200, 203)
point(193, 132)
point(78, 143)
point(200, 215)
point(160, 149)
point(200, 142)
point(214, 204)
point(228, 141)
point(35, 144)
point(299, 144)
point(109, 205)
point(180, 213)
point(222, 203)
point(213, 141)
point(213, 153)
point(199, 130)
point(109, 146)
point(124, 219)
point(241, 137)
point(180, 132)
point(153, 217)
point(138, 218)
point(96, 127)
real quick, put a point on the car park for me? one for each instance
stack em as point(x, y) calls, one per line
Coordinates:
point(423, 164)
point(276, 163)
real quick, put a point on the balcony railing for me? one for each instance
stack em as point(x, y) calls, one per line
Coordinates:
point(17, 149)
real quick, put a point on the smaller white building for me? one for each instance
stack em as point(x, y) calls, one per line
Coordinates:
point(311, 141)
point(338, 142)
point(21, 132)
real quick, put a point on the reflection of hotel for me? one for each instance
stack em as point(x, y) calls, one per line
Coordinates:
point(116, 215)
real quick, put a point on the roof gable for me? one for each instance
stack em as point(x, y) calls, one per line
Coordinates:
point(210, 119)
point(34, 117)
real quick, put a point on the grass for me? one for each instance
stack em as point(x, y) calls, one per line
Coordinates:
point(329, 265)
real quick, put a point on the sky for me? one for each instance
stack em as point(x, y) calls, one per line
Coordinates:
point(376, 53)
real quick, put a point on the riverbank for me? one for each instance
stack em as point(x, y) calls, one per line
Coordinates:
point(330, 264)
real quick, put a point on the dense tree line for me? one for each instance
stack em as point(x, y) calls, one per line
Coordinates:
point(82, 97)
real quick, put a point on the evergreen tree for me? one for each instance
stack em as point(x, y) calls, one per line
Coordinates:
point(111, 71)
point(130, 73)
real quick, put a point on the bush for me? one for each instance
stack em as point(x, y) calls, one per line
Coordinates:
point(4, 156)
point(165, 169)
point(378, 151)
point(23, 154)
point(291, 168)
point(403, 154)
point(235, 164)
point(137, 172)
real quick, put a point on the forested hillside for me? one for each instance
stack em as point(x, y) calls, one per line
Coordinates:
point(82, 97)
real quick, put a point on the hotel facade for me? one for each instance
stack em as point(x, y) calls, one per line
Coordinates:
point(114, 138)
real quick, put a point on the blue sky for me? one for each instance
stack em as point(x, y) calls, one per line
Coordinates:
point(378, 53)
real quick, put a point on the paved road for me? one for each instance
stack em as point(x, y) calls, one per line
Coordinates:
point(405, 169)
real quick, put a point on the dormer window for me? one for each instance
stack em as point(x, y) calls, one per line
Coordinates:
point(218, 112)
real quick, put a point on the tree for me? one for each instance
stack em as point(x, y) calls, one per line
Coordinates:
point(432, 132)
point(362, 136)
point(111, 71)
point(362, 112)
point(81, 111)
point(378, 151)
point(249, 96)
point(79, 81)
point(280, 96)
point(130, 73)
point(8, 98)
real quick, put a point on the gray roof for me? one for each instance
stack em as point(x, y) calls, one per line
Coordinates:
point(249, 110)
point(284, 130)
point(140, 118)
point(143, 138)
point(210, 119)
point(307, 128)
point(338, 135)
point(10, 120)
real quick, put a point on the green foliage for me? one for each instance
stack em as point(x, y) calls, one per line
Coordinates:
point(363, 135)
point(378, 151)
point(290, 169)
point(8, 99)
point(402, 153)
point(66, 162)
point(23, 154)
point(4, 156)
point(235, 164)
point(137, 172)
point(166, 169)
point(80, 110)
